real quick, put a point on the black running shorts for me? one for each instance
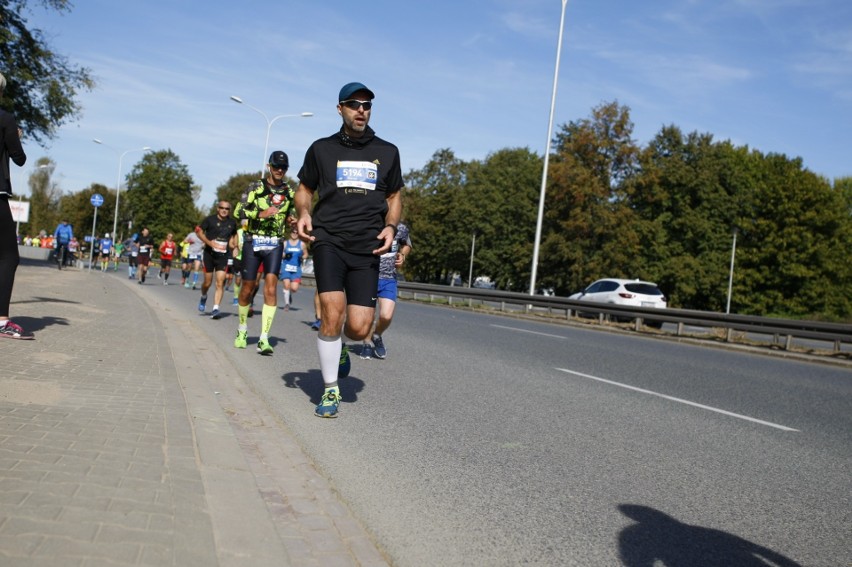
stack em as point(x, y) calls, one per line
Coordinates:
point(215, 261)
point(254, 259)
point(338, 270)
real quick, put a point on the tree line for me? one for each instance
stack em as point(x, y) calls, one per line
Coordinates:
point(664, 212)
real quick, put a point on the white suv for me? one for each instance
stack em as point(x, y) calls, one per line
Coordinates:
point(636, 293)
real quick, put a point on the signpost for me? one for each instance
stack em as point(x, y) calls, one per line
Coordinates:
point(97, 200)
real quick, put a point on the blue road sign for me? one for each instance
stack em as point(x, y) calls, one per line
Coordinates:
point(97, 199)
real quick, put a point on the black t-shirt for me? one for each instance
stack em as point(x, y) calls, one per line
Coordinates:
point(353, 180)
point(146, 244)
point(215, 228)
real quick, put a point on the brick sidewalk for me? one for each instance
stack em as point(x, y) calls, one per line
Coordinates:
point(111, 454)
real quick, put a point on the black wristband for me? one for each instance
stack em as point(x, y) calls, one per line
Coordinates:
point(394, 227)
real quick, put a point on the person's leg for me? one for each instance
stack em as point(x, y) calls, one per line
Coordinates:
point(267, 314)
point(9, 257)
point(329, 342)
point(196, 270)
point(142, 268)
point(238, 281)
point(386, 309)
point(317, 312)
point(220, 289)
point(285, 284)
point(209, 269)
point(246, 289)
point(331, 270)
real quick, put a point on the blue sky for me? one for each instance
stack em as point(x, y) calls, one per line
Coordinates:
point(474, 76)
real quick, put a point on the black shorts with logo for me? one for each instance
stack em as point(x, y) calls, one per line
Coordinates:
point(253, 259)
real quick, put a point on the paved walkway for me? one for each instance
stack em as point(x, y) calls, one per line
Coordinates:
point(113, 451)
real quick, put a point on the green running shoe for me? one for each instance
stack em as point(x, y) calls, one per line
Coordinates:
point(345, 363)
point(328, 405)
point(263, 347)
point(240, 341)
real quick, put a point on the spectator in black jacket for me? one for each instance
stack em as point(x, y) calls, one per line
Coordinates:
point(10, 148)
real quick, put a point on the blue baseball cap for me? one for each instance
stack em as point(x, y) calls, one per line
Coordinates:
point(350, 89)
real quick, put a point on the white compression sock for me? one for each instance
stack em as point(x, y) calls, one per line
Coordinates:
point(329, 349)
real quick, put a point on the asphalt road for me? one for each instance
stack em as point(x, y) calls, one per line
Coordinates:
point(489, 441)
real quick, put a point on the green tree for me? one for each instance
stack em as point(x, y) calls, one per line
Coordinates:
point(232, 190)
point(843, 185)
point(160, 195)
point(41, 84)
point(429, 199)
point(44, 198)
point(499, 202)
point(590, 230)
point(799, 235)
point(689, 197)
point(78, 210)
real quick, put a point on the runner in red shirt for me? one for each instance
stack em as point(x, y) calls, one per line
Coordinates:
point(167, 252)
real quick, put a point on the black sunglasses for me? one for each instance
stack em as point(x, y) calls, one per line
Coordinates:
point(353, 104)
point(224, 208)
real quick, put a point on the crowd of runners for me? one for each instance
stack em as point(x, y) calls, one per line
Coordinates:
point(352, 231)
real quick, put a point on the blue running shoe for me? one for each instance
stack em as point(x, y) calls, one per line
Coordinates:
point(329, 403)
point(379, 347)
point(215, 314)
point(236, 301)
point(316, 325)
point(202, 305)
point(345, 363)
point(366, 351)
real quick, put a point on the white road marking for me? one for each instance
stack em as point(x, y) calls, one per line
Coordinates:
point(530, 332)
point(679, 400)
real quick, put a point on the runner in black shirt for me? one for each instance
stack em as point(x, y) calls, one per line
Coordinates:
point(219, 233)
point(146, 248)
point(358, 177)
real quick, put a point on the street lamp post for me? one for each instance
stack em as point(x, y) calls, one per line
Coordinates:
point(731, 272)
point(118, 180)
point(546, 155)
point(269, 123)
point(472, 248)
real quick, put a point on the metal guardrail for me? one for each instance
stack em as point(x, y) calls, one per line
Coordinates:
point(788, 329)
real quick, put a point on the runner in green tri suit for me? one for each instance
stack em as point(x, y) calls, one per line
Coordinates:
point(267, 209)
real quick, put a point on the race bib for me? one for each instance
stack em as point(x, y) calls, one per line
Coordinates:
point(143, 249)
point(168, 251)
point(360, 174)
point(291, 268)
point(259, 243)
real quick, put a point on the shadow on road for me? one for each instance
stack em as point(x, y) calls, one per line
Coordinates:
point(35, 324)
point(658, 539)
point(311, 384)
